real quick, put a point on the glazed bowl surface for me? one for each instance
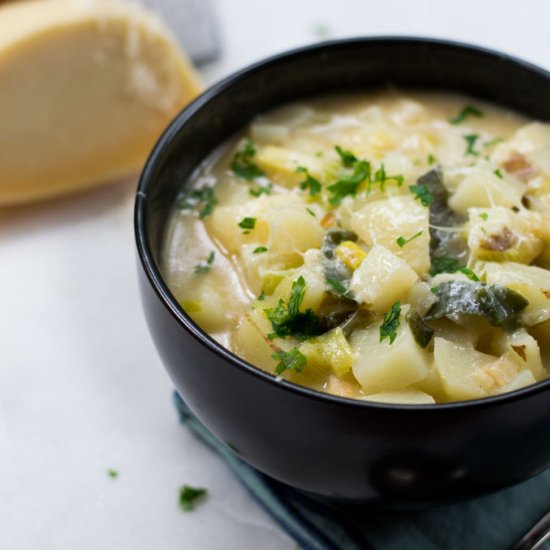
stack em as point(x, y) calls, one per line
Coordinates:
point(393, 455)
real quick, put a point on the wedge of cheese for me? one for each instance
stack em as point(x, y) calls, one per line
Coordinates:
point(86, 87)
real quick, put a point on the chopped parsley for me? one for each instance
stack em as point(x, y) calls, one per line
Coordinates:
point(401, 241)
point(498, 174)
point(287, 319)
point(261, 296)
point(381, 178)
point(484, 216)
point(289, 360)
point(261, 190)
point(431, 159)
point(204, 267)
point(188, 496)
point(470, 143)
point(336, 285)
point(112, 473)
point(310, 212)
point(310, 182)
point(422, 193)
point(467, 111)
point(242, 164)
point(259, 250)
point(389, 326)
point(203, 197)
point(248, 223)
point(347, 157)
point(448, 264)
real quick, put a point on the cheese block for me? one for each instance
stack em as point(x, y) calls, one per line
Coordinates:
point(87, 86)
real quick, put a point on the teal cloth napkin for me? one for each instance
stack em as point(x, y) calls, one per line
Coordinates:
point(493, 522)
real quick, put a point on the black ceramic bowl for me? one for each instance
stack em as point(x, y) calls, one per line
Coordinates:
point(326, 445)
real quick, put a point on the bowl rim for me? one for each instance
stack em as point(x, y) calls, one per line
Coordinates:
point(162, 291)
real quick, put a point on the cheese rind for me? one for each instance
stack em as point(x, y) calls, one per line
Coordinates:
point(87, 88)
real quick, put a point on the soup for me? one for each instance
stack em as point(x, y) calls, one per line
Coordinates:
point(390, 246)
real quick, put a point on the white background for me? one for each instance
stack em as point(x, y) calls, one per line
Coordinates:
point(81, 387)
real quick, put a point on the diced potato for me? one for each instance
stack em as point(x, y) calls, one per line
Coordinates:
point(383, 222)
point(421, 297)
point(530, 281)
point(500, 234)
point(523, 379)
point(447, 329)
point(280, 164)
point(344, 387)
point(521, 348)
point(382, 279)
point(482, 188)
point(431, 384)
point(251, 343)
point(457, 365)
point(404, 397)
point(282, 224)
point(329, 351)
point(381, 366)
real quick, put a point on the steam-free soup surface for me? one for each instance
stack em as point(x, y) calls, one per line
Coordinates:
point(392, 247)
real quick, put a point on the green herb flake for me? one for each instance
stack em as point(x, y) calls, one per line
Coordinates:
point(498, 174)
point(242, 164)
point(401, 241)
point(259, 250)
point(431, 159)
point(287, 319)
point(189, 496)
point(289, 360)
point(469, 273)
point(381, 178)
point(310, 182)
point(204, 267)
point(262, 296)
point(310, 212)
point(319, 154)
point(422, 193)
point(466, 112)
point(203, 197)
point(390, 324)
point(261, 190)
point(247, 223)
point(471, 140)
point(484, 216)
point(112, 473)
point(347, 157)
point(493, 142)
point(336, 285)
point(448, 264)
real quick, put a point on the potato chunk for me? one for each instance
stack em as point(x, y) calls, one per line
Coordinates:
point(481, 187)
point(405, 397)
point(521, 348)
point(531, 282)
point(381, 366)
point(383, 222)
point(381, 279)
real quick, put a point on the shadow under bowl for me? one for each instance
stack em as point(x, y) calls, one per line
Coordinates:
point(392, 455)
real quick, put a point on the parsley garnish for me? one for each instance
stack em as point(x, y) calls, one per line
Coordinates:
point(248, 223)
point(203, 196)
point(401, 241)
point(336, 285)
point(469, 110)
point(484, 216)
point(288, 320)
point(470, 143)
point(242, 164)
point(381, 178)
point(259, 250)
point(289, 360)
point(347, 157)
point(493, 142)
point(262, 190)
point(112, 473)
point(261, 296)
point(498, 173)
point(204, 267)
point(431, 159)
point(310, 212)
point(188, 496)
point(447, 264)
point(422, 193)
point(310, 182)
point(389, 326)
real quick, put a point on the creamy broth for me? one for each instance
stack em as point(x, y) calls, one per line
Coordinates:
point(390, 247)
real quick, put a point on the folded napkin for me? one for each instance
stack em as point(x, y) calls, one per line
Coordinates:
point(493, 522)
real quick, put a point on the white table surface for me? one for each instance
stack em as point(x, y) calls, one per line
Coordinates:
point(81, 387)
